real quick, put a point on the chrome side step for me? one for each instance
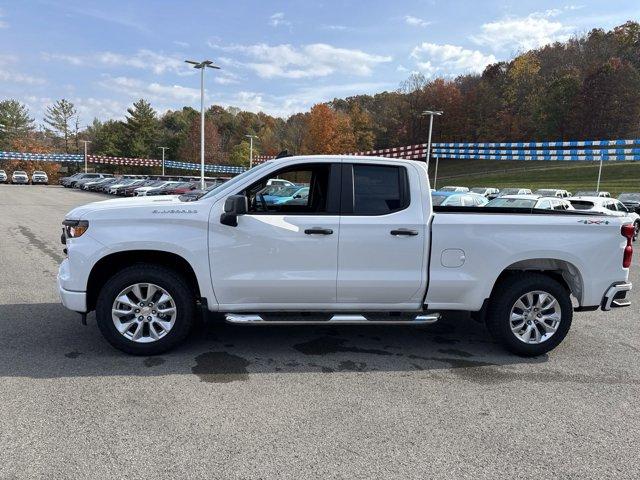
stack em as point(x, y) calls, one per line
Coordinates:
point(334, 319)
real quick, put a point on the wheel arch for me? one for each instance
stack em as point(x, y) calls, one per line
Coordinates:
point(565, 272)
point(110, 264)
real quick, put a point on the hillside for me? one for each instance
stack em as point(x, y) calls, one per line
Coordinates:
point(573, 176)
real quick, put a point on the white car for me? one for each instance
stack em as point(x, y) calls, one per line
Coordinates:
point(592, 193)
point(19, 177)
point(552, 192)
point(39, 176)
point(367, 247)
point(451, 188)
point(485, 191)
point(608, 206)
point(142, 191)
point(514, 191)
point(3, 176)
point(530, 201)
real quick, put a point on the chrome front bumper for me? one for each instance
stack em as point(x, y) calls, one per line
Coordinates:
point(616, 296)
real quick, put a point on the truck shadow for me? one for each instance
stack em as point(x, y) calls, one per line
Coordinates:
point(48, 341)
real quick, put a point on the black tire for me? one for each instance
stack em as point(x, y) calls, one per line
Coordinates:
point(507, 293)
point(169, 280)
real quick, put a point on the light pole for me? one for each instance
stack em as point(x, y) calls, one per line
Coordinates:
point(85, 154)
point(599, 174)
point(201, 66)
point(163, 149)
point(251, 137)
point(435, 177)
point(431, 114)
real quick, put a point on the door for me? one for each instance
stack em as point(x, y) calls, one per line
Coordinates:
point(382, 235)
point(284, 251)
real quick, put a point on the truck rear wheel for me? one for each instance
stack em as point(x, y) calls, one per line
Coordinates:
point(529, 314)
point(145, 309)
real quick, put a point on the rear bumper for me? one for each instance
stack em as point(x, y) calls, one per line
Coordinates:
point(616, 296)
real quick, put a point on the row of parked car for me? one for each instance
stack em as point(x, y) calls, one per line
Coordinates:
point(141, 185)
point(627, 204)
point(20, 177)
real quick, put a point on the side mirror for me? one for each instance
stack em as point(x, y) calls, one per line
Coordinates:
point(234, 206)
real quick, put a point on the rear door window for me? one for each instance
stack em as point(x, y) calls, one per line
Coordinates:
point(379, 189)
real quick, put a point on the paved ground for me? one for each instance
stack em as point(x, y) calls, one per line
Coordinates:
point(436, 402)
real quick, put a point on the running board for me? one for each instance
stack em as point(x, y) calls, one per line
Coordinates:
point(335, 319)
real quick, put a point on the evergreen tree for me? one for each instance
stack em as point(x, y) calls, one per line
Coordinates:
point(15, 123)
point(142, 130)
point(59, 118)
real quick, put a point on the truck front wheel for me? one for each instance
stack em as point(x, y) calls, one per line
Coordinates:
point(529, 313)
point(145, 309)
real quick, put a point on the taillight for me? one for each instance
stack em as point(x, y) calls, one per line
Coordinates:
point(628, 231)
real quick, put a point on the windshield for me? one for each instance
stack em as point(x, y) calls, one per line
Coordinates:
point(511, 203)
point(586, 193)
point(509, 191)
point(19, 172)
point(479, 190)
point(629, 197)
point(235, 180)
point(39, 172)
point(545, 192)
point(438, 199)
point(448, 189)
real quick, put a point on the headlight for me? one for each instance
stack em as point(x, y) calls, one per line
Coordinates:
point(75, 228)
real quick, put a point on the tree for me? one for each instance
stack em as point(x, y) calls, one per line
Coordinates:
point(59, 117)
point(362, 126)
point(321, 130)
point(15, 123)
point(240, 154)
point(142, 130)
point(190, 148)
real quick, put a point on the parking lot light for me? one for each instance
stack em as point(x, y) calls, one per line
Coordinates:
point(85, 154)
point(163, 149)
point(251, 137)
point(201, 66)
point(431, 114)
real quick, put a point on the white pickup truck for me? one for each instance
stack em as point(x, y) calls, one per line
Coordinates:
point(364, 246)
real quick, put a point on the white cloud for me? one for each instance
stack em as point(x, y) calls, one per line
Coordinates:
point(3, 23)
point(339, 28)
point(158, 63)
point(433, 59)
point(277, 20)
point(307, 61)
point(138, 89)
point(415, 21)
point(523, 33)
point(8, 75)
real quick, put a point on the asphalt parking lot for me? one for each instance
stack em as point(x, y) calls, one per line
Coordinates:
point(292, 402)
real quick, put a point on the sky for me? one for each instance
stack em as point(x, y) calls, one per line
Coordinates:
point(280, 57)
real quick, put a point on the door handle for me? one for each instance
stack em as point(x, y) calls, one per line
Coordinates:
point(318, 231)
point(404, 232)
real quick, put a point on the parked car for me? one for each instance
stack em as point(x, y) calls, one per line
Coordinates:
point(592, 193)
point(530, 202)
point(280, 182)
point(40, 177)
point(142, 191)
point(19, 177)
point(485, 191)
point(608, 206)
point(283, 195)
point(193, 195)
point(455, 199)
point(124, 183)
point(130, 190)
point(145, 266)
point(84, 177)
point(3, 176)
point(631, 201)
point(96, 185)
point(552, 192)
point(453, 189)
point(179, 189)
point(514, 191)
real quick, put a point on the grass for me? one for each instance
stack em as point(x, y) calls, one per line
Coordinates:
point(617, 177)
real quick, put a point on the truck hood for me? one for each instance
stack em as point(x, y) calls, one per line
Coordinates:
point(89, 210)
